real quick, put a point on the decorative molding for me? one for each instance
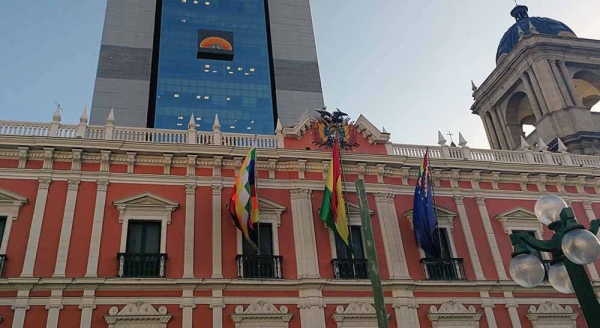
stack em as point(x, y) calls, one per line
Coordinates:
point(495, 179)
point(356, 315)
point(453, 314)
point(167, 162)
point(523, 181)
point(380, 173)
point(405, 174)
point(191, 165)
point(261, 314)
point(476, 179)
point(445, 217)
point(76, 157)
point(23, 152)
point(385, 198)
point(104, 160)
point(298, 193)
point(541, 182)
point(102, 185)
point(48, 158)
point(190, 188)
point(361, 169)
point(587, 205)
point(137, 314)
point(272, 165)
point(10, 203)
point(73, 184)
point(550, 314)
point(44, 183)
point(217, 165)
point(302, 169)
point(270, 211)
point(130, 161)
point(145, 204)
point(519, 219)
point(217, 190)
point(325, 169)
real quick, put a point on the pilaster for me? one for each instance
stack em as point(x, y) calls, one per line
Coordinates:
point(217, 305)
point(87, 307)
point(464, 220)
point(54, 306)
point(491, 238)
point(96, 237)
point(20, 306)
point(488, 308)
point(392, 239)
point(405, 309)
point(304, 234)
point(312, 309)
point(188, 306)
point(67, 226)
point(512, 306)
point(217, 247)
point(36, 226)
point(190, 207)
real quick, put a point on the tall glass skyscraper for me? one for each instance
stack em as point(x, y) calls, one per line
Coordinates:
point(249, 61)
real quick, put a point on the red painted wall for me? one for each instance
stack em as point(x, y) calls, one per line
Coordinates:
point(81, 233)
point(51, 226)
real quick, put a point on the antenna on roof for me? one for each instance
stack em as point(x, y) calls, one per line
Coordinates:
point(516, 2)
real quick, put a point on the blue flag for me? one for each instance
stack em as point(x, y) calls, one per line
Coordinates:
point(424, 220)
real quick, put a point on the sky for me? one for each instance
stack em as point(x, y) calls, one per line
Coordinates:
point(404, 65)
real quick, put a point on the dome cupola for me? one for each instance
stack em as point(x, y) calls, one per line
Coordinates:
point(525, 26)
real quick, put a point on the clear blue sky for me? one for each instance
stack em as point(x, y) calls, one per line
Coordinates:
point(405, 65)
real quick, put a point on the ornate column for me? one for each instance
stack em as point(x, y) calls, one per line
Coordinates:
point(392, 239)
point(512, 306)
point(405, 308)
point(217, 305)
point(187, 306)
point(538, 91)
point(464, 220)
point(499, 129)
point(65, 231)
point(54, 306)
point(312, 308)
point(491, 238)
point(304, 234)
point(532, 99)
point(216, 232)
point(87, 307)
point(188, 253)
point(20, 306)
point(96, 238)
point(36, 226)
point(569, 82)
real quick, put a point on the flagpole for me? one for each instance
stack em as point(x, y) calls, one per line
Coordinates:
point(434, 203)
point(345, 193)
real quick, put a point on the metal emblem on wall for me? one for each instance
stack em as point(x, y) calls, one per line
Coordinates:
point(215, 45)
point(330, 125)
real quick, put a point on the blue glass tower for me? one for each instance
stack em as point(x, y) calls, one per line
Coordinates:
point(238, 90)
point(252, 62)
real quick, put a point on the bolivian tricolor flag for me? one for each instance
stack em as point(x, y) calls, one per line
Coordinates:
point(333, 209)
point(243, 205)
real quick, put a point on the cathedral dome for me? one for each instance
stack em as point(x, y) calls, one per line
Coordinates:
point(526, 25)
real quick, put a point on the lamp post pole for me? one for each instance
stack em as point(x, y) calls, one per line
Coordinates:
point(579, 279)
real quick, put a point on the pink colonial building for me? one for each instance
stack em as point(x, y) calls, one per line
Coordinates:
point(106, 226)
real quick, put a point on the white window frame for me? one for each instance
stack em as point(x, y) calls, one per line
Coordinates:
point(445, 221)
point(261, 314)
point(10, 205)
point(453, 314)
point(552, 315)
point(134, 314)
point(270, 212)
point(522, 219)
point(353, 220)
point(145, 207)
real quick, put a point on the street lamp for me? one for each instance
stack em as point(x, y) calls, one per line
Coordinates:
point(571, 247)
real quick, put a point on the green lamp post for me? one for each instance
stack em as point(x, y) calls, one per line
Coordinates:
point(571, 247)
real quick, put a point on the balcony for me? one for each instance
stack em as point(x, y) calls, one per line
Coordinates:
point(259, 267)
point(2, 261)
point(443, 269)
point(350, 268)
point(137, 265)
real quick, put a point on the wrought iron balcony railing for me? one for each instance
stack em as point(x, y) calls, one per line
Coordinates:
point(443, 269)
point(260, 266)
point(141, 265)
point(2, 261)
point(350, 268)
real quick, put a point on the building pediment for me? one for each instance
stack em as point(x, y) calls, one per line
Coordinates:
point(452, 313)
point(356, 315)
point(137, 314)
point(9, 198)
point(519, 219)
point(145, 204)
point(270, 211)
point(550, 314)
point(261, 314)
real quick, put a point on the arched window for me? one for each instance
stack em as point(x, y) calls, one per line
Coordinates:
point(587, 87)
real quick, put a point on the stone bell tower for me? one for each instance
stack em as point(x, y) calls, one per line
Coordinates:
point(544, 87)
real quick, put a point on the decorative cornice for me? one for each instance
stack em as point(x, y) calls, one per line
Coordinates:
point(140, 313)
point(552, 313)
point(355, 315)
point(261, 312)
point(456, 313)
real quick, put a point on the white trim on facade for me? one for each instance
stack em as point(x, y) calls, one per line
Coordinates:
point(137, 314)
point(356, 315)
point(36, 227)
point(261, 314)
point(552, 315)
point(66, 229)
point(453, 314)
point(10, 204)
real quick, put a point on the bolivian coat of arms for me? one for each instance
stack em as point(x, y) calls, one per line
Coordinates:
point(330, 126)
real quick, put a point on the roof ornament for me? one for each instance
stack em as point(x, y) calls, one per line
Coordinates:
point(520, 13)
point(461, 140)
point(561, 146)
point(521, 33)
point(524, 145)
point(441, 140)
point(533, 29)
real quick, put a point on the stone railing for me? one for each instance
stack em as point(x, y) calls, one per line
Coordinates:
point(218, 138)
